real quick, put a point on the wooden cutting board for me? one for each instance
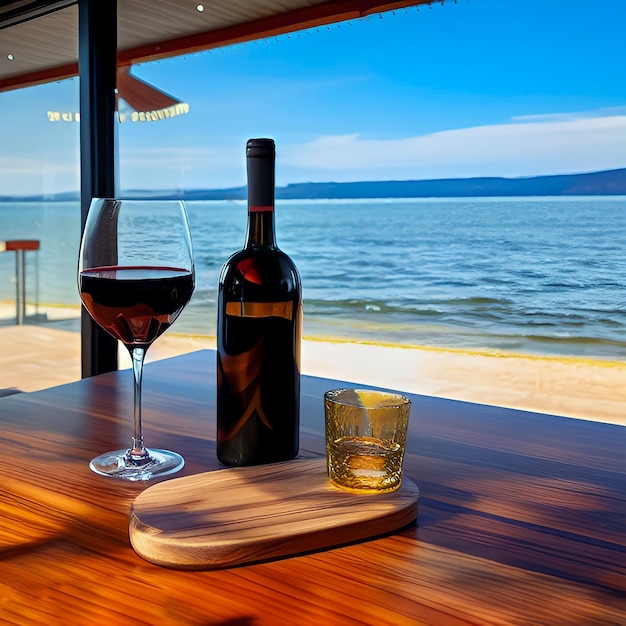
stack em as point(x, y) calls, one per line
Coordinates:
point(244, 515)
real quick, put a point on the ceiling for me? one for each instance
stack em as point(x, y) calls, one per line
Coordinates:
point(34, 51)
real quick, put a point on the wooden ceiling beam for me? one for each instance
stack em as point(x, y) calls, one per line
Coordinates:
point(299, 19)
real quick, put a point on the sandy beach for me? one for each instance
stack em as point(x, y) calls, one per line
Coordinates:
point(35, 357)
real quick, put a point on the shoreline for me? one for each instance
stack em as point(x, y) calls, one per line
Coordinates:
point(488, 352)
point(39, 356)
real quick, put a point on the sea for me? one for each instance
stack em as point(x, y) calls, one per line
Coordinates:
point(541, 275)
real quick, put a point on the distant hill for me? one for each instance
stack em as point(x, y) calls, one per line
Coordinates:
point(597, 183)
point(606, 183)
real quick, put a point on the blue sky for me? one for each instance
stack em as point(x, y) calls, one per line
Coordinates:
point(476, 88)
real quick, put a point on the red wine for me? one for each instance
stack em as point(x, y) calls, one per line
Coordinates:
point(259, 334)
point(135, 304)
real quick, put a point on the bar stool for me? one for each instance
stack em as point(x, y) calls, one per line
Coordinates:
point(20, 246)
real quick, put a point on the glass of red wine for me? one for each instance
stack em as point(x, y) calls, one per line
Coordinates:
point(135, 276)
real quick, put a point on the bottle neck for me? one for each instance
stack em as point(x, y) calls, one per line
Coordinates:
point(260, 156)
point(261, 232)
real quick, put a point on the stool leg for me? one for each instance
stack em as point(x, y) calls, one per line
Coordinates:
point(20, 286)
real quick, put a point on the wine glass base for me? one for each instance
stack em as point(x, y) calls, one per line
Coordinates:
point(119, 464)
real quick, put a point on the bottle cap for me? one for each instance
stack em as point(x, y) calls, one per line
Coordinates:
point(260, 148)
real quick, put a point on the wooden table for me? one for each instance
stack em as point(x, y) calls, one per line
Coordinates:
point(522, 518)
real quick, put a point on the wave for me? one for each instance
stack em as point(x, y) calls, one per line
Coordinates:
point(364, 307)
point(583, 341)
point(473, 301)
point(472, 309)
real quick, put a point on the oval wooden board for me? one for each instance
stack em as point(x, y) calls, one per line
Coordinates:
point(245, 515)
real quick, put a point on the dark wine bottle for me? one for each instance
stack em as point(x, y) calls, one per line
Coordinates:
point(259, 330)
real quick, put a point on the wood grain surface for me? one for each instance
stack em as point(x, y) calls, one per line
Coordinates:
point(521, 519)
point(249, 514)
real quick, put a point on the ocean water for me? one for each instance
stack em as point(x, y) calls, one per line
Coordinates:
point(530, 275)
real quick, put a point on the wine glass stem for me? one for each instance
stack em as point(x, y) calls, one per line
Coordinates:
point(137, 356)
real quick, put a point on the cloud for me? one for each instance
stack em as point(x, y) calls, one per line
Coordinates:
point(552, 144)
point(564, 117)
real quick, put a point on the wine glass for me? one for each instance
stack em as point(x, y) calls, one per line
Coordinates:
point(135, 276)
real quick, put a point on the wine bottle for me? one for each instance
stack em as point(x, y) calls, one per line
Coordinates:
point(259, 330)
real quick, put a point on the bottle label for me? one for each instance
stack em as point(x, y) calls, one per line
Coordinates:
point(260, 309)
point(260, 208)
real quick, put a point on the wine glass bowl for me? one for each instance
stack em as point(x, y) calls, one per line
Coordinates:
point(135, 276)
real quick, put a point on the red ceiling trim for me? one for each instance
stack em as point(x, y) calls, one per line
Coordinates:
point(60, 72)
point(300, 19)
